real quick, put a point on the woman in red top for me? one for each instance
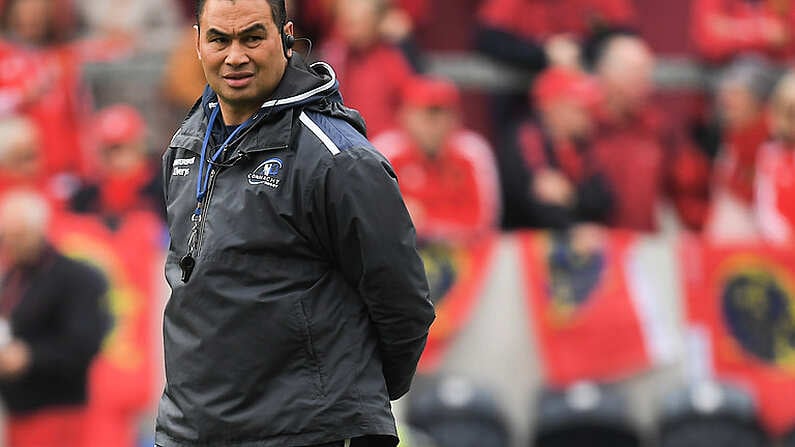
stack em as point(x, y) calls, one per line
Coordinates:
point(741, 103)
point(775, 178)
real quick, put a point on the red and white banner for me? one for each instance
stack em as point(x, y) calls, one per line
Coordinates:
point(742, 302)
point(591, 311)
point(456, 275)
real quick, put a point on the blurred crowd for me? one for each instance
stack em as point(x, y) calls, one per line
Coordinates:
point(590, 145)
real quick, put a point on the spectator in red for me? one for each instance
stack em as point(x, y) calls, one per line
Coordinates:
point(447, 173)
point(127, 180)
point(775, 178)
point(528, 33)
point(20, 162)
point(741, 100)
point(40, 79)
point(52, 325)
point(372, 71)
point(642, 158)
point(723, 29)
point(549, 173)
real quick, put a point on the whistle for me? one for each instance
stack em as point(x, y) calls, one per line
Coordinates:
point(187, 263)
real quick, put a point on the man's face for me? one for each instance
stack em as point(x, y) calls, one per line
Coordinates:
point(241, 52)
point(22, 158)
point(628, 77)
point(358, 22)
point(570, 118)
point(429, 126)
point(124, 157)
point(19, 243)
point(738, 106)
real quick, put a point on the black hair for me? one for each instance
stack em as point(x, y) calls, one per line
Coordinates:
point(278, 11)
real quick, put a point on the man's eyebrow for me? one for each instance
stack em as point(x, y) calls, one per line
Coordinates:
point(253, 28)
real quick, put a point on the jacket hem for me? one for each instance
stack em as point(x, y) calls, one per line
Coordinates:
point(297, 440)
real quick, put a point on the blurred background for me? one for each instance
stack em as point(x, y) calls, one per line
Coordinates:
point(603, 190)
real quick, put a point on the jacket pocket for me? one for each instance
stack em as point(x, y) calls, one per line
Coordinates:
point(309, 349)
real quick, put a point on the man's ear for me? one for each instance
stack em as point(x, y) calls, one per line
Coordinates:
point(289, 30)
point(198, 53)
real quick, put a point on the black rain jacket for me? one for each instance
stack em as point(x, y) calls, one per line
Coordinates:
point(56, 306)
point(308, 307)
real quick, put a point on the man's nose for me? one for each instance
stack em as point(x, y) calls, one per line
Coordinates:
point(237, 55)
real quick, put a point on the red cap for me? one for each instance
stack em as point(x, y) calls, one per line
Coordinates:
point(431, 92)
point(119, 124)
point(559, 83)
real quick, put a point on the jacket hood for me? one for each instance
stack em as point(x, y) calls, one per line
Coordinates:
point(314, 87)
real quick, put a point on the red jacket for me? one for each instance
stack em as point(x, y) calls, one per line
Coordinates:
point(539, 19)
point(747, 31)
point(371, 81)
point(775, 192)
point(644, 162)
point(736, 169)
point(452, 196)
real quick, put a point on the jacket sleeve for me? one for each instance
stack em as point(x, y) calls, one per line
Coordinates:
point(521, 208)
point(373, 243)
point(594, 199)
point(83, 322)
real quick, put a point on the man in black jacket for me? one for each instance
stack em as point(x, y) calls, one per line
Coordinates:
point(52, 325)
point(550, 175)
point(299, 304)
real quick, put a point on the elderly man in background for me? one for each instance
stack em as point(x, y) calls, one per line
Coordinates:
point(642, 157)
point(51, 327)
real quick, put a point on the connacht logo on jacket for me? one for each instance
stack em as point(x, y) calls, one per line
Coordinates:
point(267, 173)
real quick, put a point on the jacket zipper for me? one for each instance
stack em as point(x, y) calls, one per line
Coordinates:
point(205, 210)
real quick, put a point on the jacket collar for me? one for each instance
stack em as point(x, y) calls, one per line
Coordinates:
point(301, 85)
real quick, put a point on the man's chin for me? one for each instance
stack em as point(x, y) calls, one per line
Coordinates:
point(241, 100)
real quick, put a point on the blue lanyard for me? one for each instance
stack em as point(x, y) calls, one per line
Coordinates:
point(203, 181)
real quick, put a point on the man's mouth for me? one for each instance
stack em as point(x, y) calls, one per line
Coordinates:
point(238, 79)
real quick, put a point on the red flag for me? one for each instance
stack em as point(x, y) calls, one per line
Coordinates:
point(121, 381)
point(586, 323)
point(743, 299)
point(456, 274)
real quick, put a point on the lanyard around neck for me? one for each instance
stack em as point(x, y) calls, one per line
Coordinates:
point(203, 180)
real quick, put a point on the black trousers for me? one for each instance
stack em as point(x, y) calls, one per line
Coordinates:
point(367, 441)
